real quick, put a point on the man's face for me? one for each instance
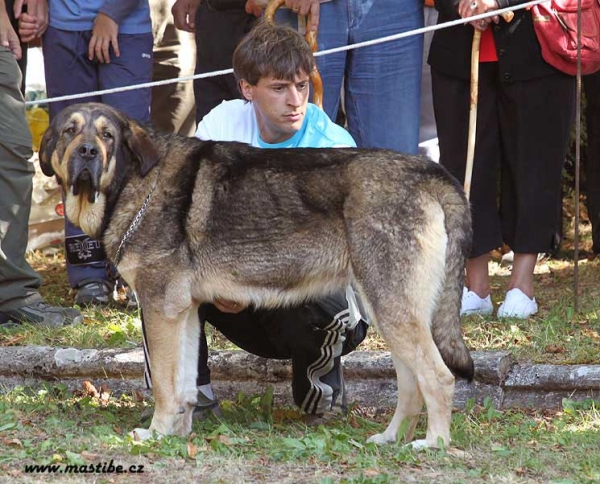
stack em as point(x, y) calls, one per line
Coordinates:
point(280, 105)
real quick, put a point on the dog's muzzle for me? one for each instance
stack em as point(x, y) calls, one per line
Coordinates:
point(85, 170)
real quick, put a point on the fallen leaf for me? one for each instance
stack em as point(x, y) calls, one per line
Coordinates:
point(89, 389)
point(192, 450)
point(590, 333)
point(453, 451)
point(89, 455)
point(353, 423)
point(14, 340)
point(13, 442)
point(224, 439)
point(555, 349)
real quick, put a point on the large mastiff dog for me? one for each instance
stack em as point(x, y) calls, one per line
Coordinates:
point(187, 221)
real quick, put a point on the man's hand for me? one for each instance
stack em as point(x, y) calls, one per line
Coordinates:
point(255, 7)
point(34, 22)
point(468, 8)
point(8, 36)
point(300, 7)
point(184, 14)
point(305, 7)
point(104, 34)
point(226, 306)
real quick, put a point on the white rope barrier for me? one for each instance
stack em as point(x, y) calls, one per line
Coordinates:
point(335, 50)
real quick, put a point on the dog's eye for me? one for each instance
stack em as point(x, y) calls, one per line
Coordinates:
point(69, 130)
point(107, 135)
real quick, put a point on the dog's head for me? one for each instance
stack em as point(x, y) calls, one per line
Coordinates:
point(91, 147)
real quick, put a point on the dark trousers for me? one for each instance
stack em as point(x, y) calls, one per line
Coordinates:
point(591, 85)
point(217, 35)
point(310, 336)
point(521, 144)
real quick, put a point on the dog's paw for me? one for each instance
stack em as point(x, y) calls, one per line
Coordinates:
point(382, 439)
point(139, 435)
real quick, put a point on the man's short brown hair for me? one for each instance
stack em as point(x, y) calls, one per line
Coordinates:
point(272, 51)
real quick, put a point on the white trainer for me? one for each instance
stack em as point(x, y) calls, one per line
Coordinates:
point(517, 305)
point(473, 304)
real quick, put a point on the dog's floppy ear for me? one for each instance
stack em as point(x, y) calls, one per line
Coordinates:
point(47, 147)
point(142, 146)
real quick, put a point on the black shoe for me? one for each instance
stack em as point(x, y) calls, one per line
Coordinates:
point(206, 406)
point(94, 292)
point(316, 419)
point(42, 314)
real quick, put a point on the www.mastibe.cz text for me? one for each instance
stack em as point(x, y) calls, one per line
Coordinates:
point(98, 468)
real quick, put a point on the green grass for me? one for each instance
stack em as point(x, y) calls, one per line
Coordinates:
point(258, 443)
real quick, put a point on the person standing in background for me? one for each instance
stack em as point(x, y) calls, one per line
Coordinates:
point(218, 26)
point(20, 300)
point(93, 45)
point(174, 55)
point(521, 137)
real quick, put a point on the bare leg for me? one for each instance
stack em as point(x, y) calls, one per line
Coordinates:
point(478, 278)
point(522, 273)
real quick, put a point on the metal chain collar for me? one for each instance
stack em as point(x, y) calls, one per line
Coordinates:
point(136, 222)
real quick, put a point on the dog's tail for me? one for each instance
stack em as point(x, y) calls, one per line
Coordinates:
point(446, 327)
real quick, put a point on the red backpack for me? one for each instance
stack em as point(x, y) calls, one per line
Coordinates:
point(555, 24)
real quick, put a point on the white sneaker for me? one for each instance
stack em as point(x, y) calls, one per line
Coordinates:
point(473, 304)
point(517, 305)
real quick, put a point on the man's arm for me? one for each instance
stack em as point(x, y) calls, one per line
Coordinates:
point(8, 36)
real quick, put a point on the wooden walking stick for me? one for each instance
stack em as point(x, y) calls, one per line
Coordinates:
point(311, 38)
point(507, 16)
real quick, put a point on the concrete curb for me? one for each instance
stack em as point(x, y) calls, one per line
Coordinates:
point(370, 376)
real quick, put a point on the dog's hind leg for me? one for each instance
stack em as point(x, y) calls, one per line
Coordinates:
point(399, 268)
point(408, 408)
point(173, 350)
point(415, 348)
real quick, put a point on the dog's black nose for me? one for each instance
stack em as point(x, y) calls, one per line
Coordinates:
point(87, 150)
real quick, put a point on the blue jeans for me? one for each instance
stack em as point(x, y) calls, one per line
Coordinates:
point(381, 83)
point(69, 71)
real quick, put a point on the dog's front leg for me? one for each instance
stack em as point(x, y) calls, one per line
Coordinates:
point(173, 351)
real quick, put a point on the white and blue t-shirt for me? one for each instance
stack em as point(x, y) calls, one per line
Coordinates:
point(236, 121)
